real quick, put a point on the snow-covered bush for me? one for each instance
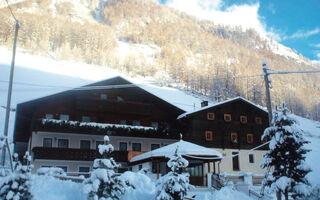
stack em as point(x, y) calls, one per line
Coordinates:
point(51, 171)
point(103, 184)
point(175, 184)
point(285, 160)
point(16, 185)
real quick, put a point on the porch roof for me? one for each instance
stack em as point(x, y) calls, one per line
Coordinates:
point(186, 149)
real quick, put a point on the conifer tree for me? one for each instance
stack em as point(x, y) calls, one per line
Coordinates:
point(285, 159)
point(16, 185)
point(175, 184)
point(103, 184)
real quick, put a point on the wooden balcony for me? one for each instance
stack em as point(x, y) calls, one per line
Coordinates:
point(75, 154)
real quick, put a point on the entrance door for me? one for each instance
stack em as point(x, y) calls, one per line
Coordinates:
point(196, 173)
point(235, 162)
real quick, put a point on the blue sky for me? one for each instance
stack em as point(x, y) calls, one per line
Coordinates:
point(293, 23)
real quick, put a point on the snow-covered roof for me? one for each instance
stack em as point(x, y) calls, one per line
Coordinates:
point(220, 103)
point(185, 149)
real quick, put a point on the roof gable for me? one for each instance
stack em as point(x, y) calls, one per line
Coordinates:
point(187, 114)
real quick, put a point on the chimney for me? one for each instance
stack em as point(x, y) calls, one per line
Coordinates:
point(204, 104)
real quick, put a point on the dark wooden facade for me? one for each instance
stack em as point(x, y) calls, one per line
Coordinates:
point(124, 101)
point(208, 126)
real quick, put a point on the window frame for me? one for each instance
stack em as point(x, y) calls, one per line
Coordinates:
point(63, 166)
point(258, 120)
point(231, 139)
point(227, 115)
point(155, 125)
point(136, 143)
point(63, 139)
point(47, 116)
point(47, 138)
point(252, 140)
point(123, 143)
point(85, 117)
point(243, 117)
point(210, 138)
point(64, 115)
point(83, 167)
point(135, 122)
point(208, 116)
point(123, 122)
point(103, 96)
point(153, 145)
point(85, 141)
point(253, 158)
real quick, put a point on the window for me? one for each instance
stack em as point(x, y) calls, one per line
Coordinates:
point(123, 122)
point(49, 116)
point(84, 169)
point(210, 116)
point(251, 158)
point(84, 144)
point(155, 146)
point(120, 98)
point(63, 143)
point(140, 167)
point(155, 124)
point(136, 123)
point(258, 120)
point(85, 119)
point(235, 162)
point(249, 138)
point(100, 120)
point(47, 142)
point(123, 146)
point(227, 117)
point(243, 119)
point(136, 147)
point(234, 137)
point(103, 96)
point(65, 168)
point(64, 117)
point(98, 143)
point(208, 135)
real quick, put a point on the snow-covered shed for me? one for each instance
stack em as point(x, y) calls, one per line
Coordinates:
point(155, 160)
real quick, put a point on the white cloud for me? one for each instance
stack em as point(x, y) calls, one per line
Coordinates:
point(315, 45)
point(302, 34)
point(244, 15)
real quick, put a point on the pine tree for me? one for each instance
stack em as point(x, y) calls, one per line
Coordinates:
point(16, 185)
point(285, 159)
point(175, 184)
point(103, 184)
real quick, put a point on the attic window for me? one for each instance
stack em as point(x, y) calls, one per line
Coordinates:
point(249, 138)
point(234, 137)
point(64, 117)
point(258, 120)
point(208, 135)
point(210, 116)
point(120, 98)
point(243, 119)
point(227, 117)
point(85, 119)
point(103, 96)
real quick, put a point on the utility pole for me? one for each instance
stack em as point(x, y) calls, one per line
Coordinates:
point(267, 84)
point(6, 123)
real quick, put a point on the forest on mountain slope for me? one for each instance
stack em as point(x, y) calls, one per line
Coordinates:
point(217, 61)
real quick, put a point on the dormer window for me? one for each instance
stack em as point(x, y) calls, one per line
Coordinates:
point(234, 137)
point(227, 117)
point(258, 120)
point(123, 122)
point(103, 96)
point(243, 119)
point(210, 116)
point(120, 98)
point(136, 123)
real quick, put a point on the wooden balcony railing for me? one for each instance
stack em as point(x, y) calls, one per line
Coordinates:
point(75, 154)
